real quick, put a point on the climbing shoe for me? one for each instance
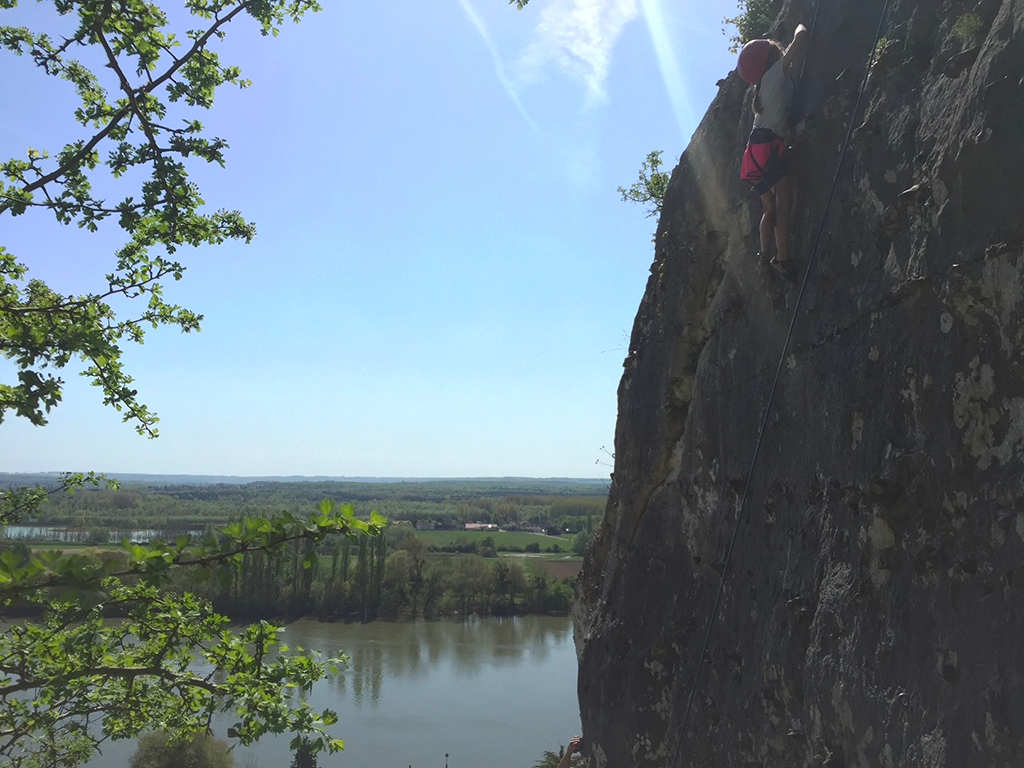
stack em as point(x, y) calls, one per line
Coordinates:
point(763, 258)
point(785, 268)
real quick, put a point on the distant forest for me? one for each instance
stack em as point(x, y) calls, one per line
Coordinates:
point(453, 503)
point(403, 572)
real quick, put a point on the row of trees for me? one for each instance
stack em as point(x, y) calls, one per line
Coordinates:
point(366, 579)
point(363, 578)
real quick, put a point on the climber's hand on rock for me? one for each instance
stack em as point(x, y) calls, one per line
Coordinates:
point(575, 745)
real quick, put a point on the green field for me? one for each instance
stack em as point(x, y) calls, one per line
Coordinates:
point(559, 566)
point(501, 538)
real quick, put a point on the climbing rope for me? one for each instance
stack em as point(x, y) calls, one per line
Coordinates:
point(775, 383)
point(814, 20)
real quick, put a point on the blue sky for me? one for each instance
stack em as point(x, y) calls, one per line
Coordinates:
point(444, 277)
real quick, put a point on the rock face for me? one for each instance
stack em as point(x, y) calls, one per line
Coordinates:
point(874, 606)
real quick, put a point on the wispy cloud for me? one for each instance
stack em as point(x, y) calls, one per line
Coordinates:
point(499, 67)
point(671, 74)
point(577, 36)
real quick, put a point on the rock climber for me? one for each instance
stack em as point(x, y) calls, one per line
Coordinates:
point(774, 72)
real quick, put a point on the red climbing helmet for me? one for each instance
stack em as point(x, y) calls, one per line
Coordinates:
point(753, 59)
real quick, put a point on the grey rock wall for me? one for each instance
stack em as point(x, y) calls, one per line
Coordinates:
point(874, 608)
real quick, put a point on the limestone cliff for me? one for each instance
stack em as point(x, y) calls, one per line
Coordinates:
point(875, 604)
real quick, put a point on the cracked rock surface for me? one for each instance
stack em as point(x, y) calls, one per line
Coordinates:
point(873, 610)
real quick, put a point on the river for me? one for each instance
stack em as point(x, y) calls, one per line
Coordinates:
point(69, 534)
point(492, 693)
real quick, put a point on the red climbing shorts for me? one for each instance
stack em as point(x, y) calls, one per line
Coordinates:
point(764, 162)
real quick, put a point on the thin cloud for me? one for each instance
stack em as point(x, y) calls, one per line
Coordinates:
point(671, 74)
point(577, 36)
point(499, 67)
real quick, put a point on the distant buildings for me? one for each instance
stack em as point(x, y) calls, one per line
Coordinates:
point(481, 527)
point(427, 525)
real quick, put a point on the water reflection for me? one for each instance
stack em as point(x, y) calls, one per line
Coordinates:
point(414, 650)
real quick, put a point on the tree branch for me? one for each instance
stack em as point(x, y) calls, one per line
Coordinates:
point(91, 299)
point(89, 146)
point(145, 422)
point(110, 672)
point(90, 208)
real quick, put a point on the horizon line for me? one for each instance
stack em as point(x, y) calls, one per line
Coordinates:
point(397, 478)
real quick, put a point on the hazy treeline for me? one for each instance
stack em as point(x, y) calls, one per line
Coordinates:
point(174, 507)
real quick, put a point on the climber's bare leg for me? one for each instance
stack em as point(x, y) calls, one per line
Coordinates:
point(794, 189)
point(784, 206)
point(767, 221)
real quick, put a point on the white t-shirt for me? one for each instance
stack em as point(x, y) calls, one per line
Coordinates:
point(776, 99)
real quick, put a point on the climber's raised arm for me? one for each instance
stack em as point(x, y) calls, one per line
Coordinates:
point(575, 744)
point(793, 58)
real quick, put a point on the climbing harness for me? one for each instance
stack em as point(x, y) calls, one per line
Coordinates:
point(775, 383)
point(764, 161)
